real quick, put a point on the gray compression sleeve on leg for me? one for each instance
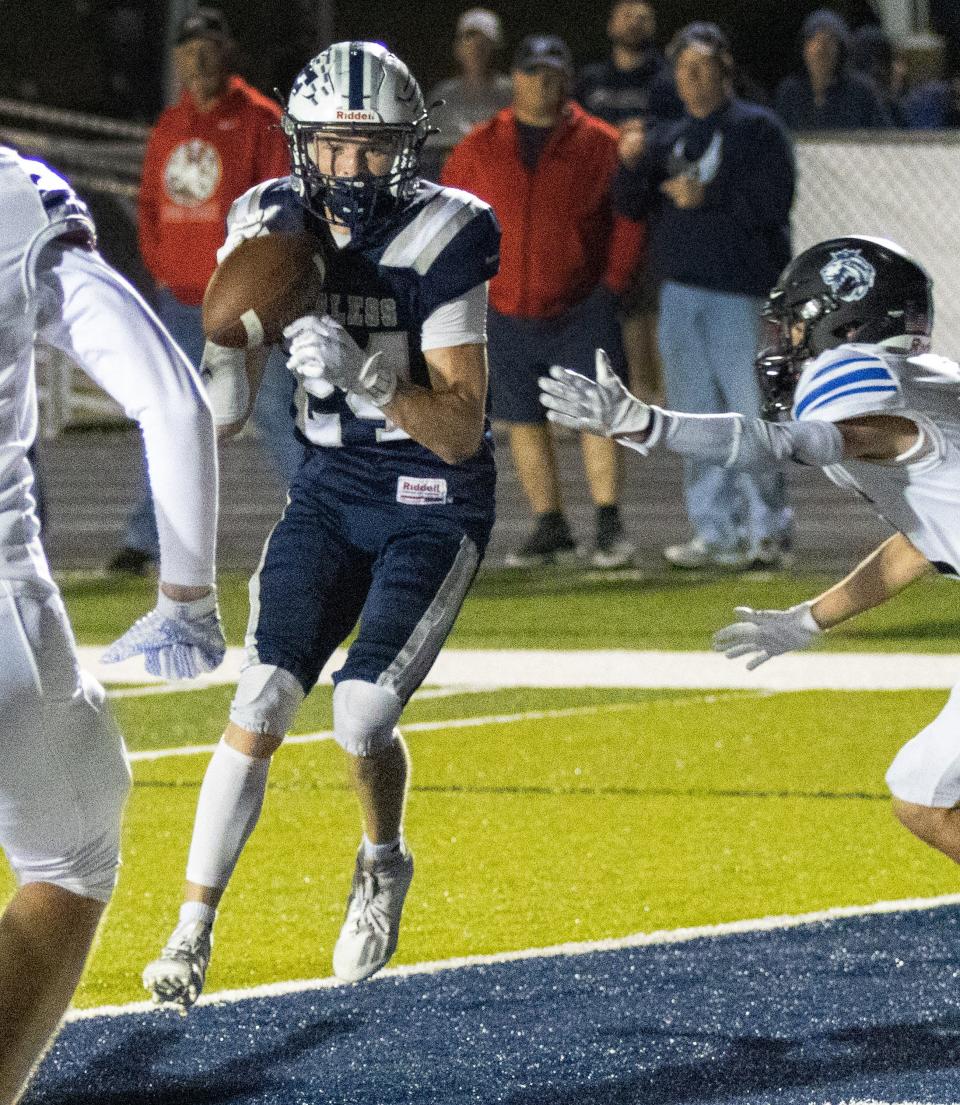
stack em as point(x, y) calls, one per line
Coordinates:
point(733, 441)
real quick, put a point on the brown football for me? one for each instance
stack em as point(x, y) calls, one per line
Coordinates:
point(261, 287)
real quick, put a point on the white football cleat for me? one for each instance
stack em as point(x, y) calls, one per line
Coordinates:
point(372, 926)
point(177, 976)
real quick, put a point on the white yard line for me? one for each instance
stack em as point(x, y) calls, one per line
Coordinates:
point(495, 668)
point(635, 940)
point(456, 723)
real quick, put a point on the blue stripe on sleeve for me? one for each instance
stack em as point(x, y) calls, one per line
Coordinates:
point(854, 391)
point(840, 364)
point(881, 372)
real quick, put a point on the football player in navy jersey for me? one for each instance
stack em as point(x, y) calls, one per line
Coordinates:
point(850, 386)
point(390, 513)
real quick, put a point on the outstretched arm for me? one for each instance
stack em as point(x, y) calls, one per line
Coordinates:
point(90, 313)
point(761, 634)
point(605, 407)
point(890, 568)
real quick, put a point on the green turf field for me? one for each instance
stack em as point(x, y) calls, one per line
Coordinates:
point(583, 609)
point(587, 814)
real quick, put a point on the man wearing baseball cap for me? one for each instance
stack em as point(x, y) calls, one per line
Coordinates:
point(546, 167)
point(220, 138)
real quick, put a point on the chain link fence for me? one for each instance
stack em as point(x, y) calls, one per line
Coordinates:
point(899, 185)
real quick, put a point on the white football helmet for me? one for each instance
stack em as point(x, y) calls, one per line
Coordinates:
point(355, 89)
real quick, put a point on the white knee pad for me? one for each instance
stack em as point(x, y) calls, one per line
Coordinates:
point(70, 834)
point(364, 716)
point(266, 700)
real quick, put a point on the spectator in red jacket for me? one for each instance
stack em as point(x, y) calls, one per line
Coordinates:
point(546, 168)
point(219, 139)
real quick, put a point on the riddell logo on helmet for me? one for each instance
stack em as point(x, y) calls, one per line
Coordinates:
point(357, 116)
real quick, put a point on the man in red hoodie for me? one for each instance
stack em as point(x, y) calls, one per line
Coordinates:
point(546, 168)
point(219, 139)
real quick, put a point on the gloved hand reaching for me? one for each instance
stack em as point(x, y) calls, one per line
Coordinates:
point(603, 406)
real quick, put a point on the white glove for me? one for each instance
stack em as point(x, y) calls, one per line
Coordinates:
point(324, 354)
point(767, 633)
point(603, 407)
point(179, 640)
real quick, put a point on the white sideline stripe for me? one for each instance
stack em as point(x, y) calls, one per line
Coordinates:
point(180, 686)
point(635, 940)
point(842, 671)
point(450, 723)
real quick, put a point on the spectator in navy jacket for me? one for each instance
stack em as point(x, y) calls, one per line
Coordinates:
point(827, 94)
point(716, 187)
point(933, 105)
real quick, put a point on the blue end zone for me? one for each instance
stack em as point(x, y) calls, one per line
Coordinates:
point(853, 1009)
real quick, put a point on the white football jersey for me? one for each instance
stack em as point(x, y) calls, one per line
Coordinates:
point(35, 206)
point(72, 300)
point(919, 492)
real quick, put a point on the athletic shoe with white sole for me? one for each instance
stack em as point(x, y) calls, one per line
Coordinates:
point(177, 976)
point(697, 553)
point(549, 542)
point(372, 926)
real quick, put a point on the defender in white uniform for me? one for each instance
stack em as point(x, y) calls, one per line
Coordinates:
point(870, 405)
point(63, 769)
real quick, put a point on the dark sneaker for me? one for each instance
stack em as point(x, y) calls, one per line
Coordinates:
point(131, 562)
point(550, 543)
point(613, 549)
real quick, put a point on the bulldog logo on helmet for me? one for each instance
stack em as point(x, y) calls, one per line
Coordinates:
point(848, 274)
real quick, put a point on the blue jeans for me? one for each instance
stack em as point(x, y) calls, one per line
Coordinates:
point(708, 342)
point(271, 415)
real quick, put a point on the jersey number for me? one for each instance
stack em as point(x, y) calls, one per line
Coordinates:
point(346, 419)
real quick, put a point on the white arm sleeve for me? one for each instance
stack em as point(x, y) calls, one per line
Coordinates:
point(462, 321)
point(94, 316)
point(733, 441)
point(224, 375)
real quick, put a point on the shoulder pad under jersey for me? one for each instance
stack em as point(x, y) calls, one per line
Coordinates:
point(847, 382)
point(68, 218)
point(452, 241)
point(267, 208)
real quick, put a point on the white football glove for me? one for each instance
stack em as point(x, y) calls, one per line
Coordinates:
point(767, 633)
point(179, 640)
point(324, 354)
point(603, 407)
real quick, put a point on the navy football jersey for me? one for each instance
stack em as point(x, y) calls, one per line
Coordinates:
point(442, 243)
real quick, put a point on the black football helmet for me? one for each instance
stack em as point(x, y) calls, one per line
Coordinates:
point(850, 289)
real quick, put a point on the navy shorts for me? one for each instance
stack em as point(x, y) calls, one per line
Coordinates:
point(340, 555)
point(522, 349)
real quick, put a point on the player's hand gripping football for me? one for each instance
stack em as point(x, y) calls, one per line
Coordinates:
point(603, 406)
point(324, 354)
point(178, 640)
point(766, 633)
